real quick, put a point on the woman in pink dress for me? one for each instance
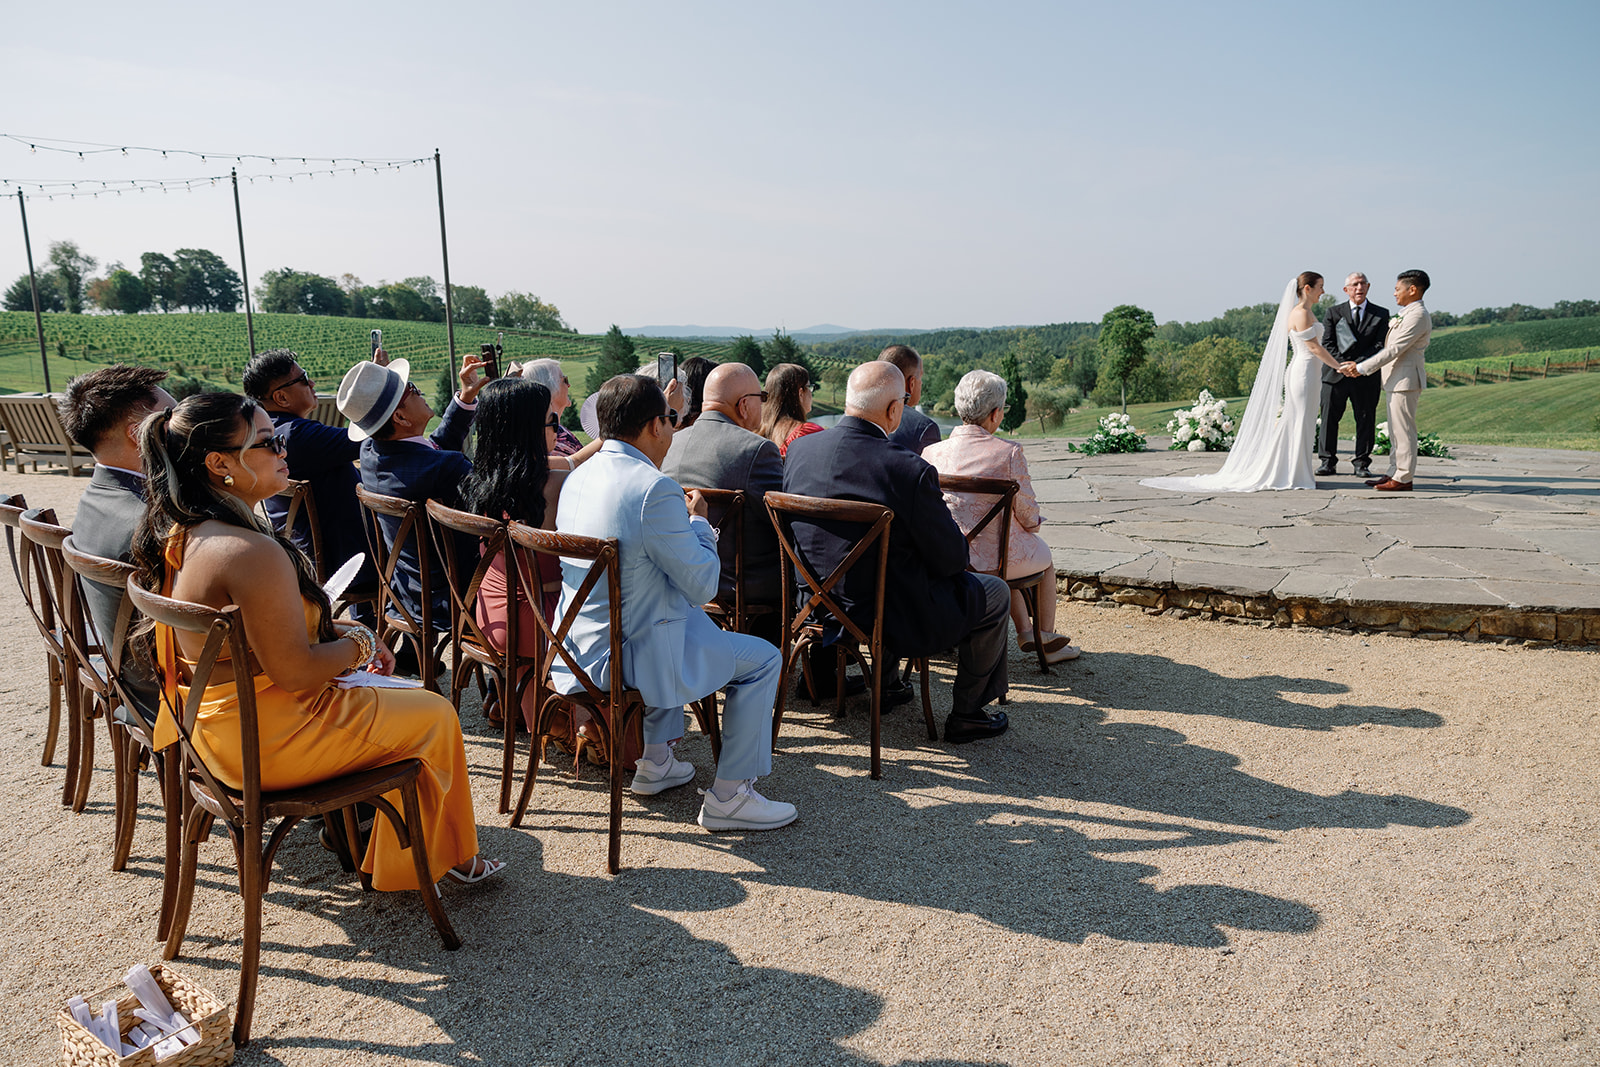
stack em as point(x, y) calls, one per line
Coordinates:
point(786, 405)
point(973, 450)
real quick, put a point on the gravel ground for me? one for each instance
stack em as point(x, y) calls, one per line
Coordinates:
point(1201, 843)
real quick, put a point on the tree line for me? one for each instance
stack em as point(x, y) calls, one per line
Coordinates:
point(197, 279)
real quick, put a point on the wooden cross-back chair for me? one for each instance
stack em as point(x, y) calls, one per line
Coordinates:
point(468, 642)
point(302, 502)
point(726, 512)
point(247, 811)
point(46, 583)
point(803, 624)
point(615, 710)
point(33, 585)
point(103, 678)
point(427, 634)
point(1004, 490)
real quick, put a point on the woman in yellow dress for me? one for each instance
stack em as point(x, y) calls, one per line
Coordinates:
point(209, 462)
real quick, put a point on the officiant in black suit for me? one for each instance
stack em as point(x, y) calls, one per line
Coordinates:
point(1353, 330)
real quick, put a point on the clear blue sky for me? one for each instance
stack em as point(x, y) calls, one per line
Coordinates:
point(868, 164)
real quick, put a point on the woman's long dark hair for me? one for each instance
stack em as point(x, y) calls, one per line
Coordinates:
point(697, 369)
point(511, 462)
point(783, 410)
point(178, 493)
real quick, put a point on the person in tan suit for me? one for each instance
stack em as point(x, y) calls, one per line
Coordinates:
point(1404, 376)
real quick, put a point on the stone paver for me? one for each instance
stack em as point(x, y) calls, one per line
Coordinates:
point(1505, 532)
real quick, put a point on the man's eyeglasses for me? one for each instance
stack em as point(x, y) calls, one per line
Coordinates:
point(304, 379)
point(762, 395)
point(905, 398)
point(411, 390)
point(278, 443)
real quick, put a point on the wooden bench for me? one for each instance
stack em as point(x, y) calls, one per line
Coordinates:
point(33, 422)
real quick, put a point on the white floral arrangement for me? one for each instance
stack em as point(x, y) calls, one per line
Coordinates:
point(1205, 427)
point(1428, 444)
point(1116, 434)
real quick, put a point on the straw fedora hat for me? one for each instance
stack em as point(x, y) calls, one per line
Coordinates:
point(369, 394)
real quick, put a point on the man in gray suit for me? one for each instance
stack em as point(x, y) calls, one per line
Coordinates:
point(102, 411)
point(916, 430)
point(723, 451)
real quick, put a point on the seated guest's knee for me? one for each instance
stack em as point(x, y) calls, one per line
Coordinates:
point(997, 596)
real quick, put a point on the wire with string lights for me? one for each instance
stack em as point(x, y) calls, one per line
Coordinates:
point(85, 149)
point(93, 188)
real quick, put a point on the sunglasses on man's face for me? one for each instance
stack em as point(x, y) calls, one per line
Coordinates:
point(304, 379)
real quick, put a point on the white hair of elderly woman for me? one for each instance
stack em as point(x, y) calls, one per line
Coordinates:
point(978, 393)
point(649, 371)
point(547, 372)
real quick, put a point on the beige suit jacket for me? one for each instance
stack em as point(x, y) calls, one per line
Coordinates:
point(1402, 355)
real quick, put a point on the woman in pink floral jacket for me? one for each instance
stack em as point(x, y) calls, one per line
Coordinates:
point(973, 450)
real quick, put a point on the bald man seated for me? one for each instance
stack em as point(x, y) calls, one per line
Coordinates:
point(931, 601)
point(723, 451)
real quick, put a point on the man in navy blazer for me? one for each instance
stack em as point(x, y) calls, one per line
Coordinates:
point(388, 414)
point(931, 601)
point(322, 455)
point(916, 431)
point(672, 652)
point(102, 411)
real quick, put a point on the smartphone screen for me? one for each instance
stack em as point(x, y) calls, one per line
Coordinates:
point(666, 368)
point(377, 341)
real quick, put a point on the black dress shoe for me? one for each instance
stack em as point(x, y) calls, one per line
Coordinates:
point(828, 685)
point(1375, 482)
point(1363, 472)
point(959, 729)
point(898, 691)
point(1327, 470)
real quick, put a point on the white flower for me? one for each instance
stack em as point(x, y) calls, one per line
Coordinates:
point(1197, 446)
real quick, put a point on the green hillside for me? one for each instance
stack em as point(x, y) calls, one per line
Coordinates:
point(1508, 339)
point(215, 346)
point(1552, 413)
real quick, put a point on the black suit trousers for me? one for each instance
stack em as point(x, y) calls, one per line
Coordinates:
point(1362, 394)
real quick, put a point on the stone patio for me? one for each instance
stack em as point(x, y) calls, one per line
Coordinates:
point(1494, 543)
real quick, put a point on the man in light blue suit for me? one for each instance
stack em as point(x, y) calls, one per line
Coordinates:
point(672, 652)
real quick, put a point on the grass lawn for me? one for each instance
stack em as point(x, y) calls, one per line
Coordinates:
point(1561, 412)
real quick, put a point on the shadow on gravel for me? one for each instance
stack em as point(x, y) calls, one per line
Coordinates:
point(1155, 683)
point(556, 969)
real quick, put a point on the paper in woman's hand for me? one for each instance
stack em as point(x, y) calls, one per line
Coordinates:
point(368, 680)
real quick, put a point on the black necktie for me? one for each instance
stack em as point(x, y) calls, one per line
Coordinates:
point(1355, 316)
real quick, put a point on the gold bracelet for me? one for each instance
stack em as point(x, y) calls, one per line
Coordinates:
point(366, 643)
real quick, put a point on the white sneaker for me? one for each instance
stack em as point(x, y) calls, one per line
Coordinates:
point(652, 778)
point(748, 810)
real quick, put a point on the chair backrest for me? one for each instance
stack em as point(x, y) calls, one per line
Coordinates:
point(465, 576)
point(327, 411)
point(1005, 492)
point(223, 631)
point(300, 500)
point(410, 517)
point(34, 426)
point(725, 510)
point(873, 522)
point(39, 573)
point(114, 574)
point(603, 556)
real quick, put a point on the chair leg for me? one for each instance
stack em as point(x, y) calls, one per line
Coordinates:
point(172, 794)
point(252, 887)
point(419, 857)
point(69, 787)
point(338, 830)
point(80, 795)
point(199, 825)
point(53, 727)
point(873, 672)
point(125, 783)
point(614, 842)
point(510, 715)
point(927, 703)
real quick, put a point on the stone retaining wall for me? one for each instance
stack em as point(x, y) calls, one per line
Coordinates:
point(1579, 629)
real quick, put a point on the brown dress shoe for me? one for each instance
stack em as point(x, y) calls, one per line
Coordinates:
point(1392, 486)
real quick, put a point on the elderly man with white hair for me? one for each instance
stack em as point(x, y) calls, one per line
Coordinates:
point(973, 451)
point(548, 373)
point(931, 600)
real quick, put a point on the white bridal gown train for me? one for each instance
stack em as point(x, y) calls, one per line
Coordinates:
point(1275, 447)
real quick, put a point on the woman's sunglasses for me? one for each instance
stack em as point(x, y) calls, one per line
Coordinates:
point(278, 443)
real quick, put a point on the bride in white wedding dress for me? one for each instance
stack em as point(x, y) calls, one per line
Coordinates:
point(1274, 448)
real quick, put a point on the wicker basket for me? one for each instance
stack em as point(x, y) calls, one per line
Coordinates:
point(80, 1048)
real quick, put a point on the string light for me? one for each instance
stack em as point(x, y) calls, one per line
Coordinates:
point(83, 149)
point(71, 188)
